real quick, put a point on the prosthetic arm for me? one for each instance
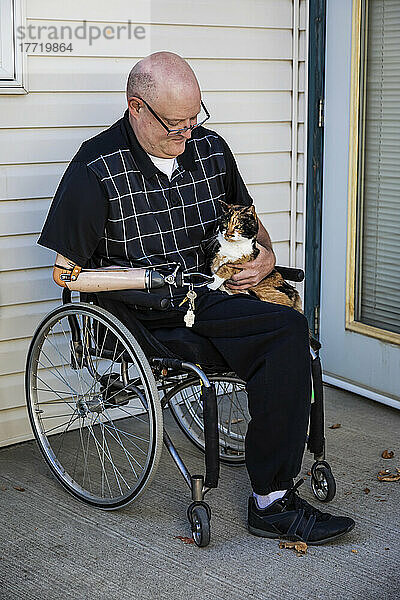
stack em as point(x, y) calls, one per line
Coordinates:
point(68, 274)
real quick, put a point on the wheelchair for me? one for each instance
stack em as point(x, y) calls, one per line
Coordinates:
point(96, 394)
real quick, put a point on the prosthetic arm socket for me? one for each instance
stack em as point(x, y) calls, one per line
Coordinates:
point(67, 274)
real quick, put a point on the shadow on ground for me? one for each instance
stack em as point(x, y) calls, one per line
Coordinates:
point(55, 548)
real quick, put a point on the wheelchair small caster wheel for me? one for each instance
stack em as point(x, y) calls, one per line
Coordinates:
point(323, 482)
point(199, 518)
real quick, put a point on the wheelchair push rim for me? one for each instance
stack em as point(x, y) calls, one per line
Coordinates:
point(186, 407)
point(93, 405)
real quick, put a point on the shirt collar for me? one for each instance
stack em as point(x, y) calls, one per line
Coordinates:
point(144, 163)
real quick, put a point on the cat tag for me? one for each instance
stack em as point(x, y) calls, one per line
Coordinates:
point(189, 318)
point(218, 281)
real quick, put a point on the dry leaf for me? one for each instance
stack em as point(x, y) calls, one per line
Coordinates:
point(387, 454)
point(18, 488)
point(185, 540)
point(367, 490)
point(386, 548)
point(234, 421)
point(309, 473)
point(335, 426)
point(386, 475)
point(3, 488)
point(355, 551)
point(300, 547)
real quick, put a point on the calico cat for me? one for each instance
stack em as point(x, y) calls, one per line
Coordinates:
point(236, 243)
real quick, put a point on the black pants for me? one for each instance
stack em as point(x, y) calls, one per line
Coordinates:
point(267, 345)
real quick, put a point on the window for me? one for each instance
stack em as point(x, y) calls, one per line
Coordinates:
point(373, 306)
point(12, 60)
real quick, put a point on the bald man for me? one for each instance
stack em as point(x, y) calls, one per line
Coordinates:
point(147, 193)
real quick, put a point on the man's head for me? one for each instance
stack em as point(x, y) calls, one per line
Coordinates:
point(167, 83)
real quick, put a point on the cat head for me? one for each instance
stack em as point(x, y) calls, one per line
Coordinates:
point(238, 222)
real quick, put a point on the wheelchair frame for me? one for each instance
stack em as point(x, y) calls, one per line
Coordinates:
point(171, 374)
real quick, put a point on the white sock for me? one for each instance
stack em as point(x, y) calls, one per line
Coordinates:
point(264, 501)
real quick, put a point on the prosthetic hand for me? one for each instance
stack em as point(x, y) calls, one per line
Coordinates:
point(67, 274)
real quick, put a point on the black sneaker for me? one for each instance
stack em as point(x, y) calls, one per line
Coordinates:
point(292, 518)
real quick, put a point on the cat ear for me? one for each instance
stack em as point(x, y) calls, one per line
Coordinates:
point(249, 209)
point(224, 205)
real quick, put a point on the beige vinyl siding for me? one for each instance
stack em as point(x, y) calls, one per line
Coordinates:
point(243, 54)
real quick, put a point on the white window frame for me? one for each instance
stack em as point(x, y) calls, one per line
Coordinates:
point(12, 60)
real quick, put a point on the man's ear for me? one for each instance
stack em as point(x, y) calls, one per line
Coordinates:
point(134, 106)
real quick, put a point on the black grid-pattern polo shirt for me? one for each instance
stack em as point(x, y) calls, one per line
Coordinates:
point(115, 207)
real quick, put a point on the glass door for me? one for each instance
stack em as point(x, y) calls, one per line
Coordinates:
point(360, 295)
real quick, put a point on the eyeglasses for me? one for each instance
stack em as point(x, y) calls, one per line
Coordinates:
point(183, 129)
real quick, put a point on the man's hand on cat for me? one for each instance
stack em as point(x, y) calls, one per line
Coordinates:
point(254, 271)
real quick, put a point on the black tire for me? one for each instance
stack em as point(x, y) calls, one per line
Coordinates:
point(200, 524)
point(93, 405)
point(187, 410)
point(323, 483)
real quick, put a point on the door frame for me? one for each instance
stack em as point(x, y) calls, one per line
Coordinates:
point(315, 147)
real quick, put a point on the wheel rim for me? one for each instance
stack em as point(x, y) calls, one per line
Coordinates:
point(200, 525)
point(233, 416)
point(99, 438)
point(196, 529)
point(320, 485)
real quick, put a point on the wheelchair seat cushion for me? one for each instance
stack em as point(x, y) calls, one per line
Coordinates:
point(190, 346)
point(170, 342)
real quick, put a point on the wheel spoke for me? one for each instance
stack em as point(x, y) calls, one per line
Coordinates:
point(58, 426)
point(124, 449)
point(86, 457)
point(127, 433)
point(63, 435)
point(54, 391)
point(58, 376)
point(109, 458)
point(93, 436)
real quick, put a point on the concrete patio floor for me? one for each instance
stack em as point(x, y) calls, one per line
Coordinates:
point(55, 548)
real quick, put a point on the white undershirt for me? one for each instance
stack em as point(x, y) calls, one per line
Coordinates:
point(166, 165)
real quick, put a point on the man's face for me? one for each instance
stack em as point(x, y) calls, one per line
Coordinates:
point(175, 112)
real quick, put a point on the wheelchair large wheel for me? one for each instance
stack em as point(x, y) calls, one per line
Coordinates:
point(186, 407)
point(93, 405)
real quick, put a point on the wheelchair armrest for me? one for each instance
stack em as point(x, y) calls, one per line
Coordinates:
point(290, 273)
point(154, 299)
point(135, 298)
